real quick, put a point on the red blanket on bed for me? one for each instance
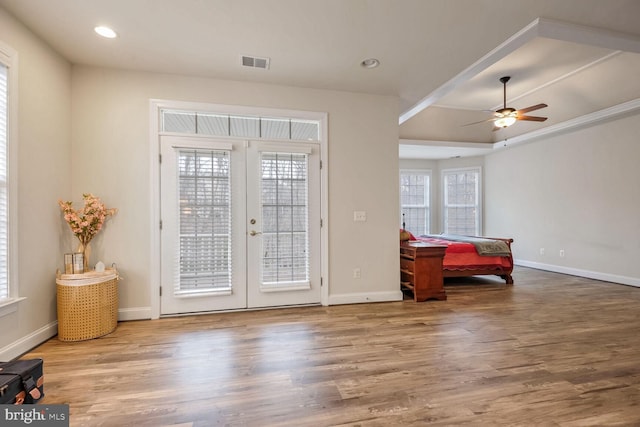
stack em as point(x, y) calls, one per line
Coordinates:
point(463, 256)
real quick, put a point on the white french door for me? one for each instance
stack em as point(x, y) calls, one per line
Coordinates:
point(240, 224)
point(283, 211)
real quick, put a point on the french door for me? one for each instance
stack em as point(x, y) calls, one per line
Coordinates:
point(240, 224)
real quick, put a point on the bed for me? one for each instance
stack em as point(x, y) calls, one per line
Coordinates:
point(426, 260)
point(472, 256)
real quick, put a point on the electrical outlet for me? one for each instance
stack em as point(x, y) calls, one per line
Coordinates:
point(561, 253)
point(356, 273)
point(541, 251)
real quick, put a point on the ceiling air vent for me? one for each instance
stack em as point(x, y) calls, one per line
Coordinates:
point(255, 62)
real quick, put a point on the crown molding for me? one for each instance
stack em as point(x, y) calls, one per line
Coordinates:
point(456, 144)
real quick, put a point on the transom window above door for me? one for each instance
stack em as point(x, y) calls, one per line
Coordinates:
point(218, 124)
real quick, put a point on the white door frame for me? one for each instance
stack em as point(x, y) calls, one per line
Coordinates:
point(155, 106)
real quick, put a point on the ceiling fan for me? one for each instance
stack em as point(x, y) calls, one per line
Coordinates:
point(506, 116)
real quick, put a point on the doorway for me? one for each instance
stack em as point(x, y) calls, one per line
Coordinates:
point(241, 223)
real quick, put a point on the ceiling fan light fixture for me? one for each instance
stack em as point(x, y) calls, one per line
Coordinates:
point(504, 122)
point(506, 116)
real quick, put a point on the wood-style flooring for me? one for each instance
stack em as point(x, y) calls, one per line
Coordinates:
point(552, 350)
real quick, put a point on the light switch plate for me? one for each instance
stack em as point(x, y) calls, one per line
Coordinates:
point(359, 216)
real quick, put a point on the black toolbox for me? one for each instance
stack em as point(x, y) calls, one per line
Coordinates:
point(21, 381)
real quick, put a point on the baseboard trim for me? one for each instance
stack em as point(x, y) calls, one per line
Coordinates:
point(26, 343)
point(134, 313)
point(34, 339)
point(365, 297)
point(605, 277)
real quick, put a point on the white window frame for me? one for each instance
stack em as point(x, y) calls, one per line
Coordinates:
point(429, 191)
point(9, 59)
point(479, 196)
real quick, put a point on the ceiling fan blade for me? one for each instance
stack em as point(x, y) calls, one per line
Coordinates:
point(481, 121)
point(532, 108)
point(532, 118)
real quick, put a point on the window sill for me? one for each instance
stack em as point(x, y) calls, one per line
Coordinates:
point(9, 305)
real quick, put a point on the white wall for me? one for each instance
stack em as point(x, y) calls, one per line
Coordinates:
point(44, 176)
point(110, 158)
point(577, 192)
point(86, 129)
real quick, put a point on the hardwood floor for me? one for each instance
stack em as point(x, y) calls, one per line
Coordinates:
point(552, 350)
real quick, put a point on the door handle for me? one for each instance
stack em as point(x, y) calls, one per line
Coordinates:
point(254, 233)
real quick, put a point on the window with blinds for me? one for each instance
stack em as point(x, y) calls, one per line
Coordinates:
point(414, 201)
point(205, 220)
point(462, 201)
point(273, 128)
point(285, 231)
point(4, 187)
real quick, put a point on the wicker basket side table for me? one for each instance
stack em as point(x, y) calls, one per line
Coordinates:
point(87, 304)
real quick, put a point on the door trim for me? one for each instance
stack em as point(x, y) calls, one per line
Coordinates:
point(155, 105)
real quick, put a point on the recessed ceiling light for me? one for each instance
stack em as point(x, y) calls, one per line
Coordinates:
point(370, 63)
point(106, 32)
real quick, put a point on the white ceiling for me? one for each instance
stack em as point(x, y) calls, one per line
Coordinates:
point(441, 58)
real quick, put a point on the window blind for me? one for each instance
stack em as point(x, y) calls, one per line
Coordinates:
point(462, 202)
point(285, 229)
point(4, 189)
point(205, 220)
point(200, 123)
point(414, 196)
